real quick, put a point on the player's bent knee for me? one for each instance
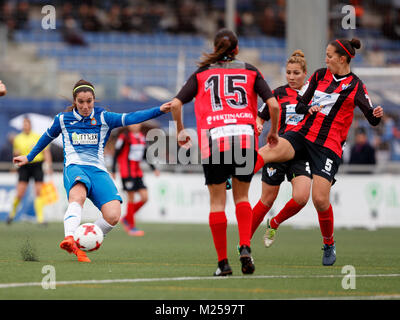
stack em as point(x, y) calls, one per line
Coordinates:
point(268, 199)
point(112, 218)
point(301, 200)
point(321, 203)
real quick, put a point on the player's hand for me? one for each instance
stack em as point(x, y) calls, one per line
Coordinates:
point(3, 89)
point(378, 112)
point(259, 128)
point(272, 139)
point(314, 109)
point(157, 173)
point(166, 107)
point(184, 139)
point(20, 161)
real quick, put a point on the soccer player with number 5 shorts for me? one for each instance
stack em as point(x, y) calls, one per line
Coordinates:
point(225, 91)
point(297, 170)
point(328, 105)
point(85, 130)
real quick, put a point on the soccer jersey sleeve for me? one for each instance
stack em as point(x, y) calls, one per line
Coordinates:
point(263, 112)
point(362, 100)
point(115, 120)
point(303, 100)
point(261, 87)
point(51, 133)
point(189, 90)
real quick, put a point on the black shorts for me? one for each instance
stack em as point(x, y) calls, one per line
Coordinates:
point(133, 184)
point(323, 161)
point(274, 173)
point(219, 167)
point(31, 170)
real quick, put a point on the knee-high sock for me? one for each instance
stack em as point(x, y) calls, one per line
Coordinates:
point(39, 204)
point(259, 212)
point(72, 218)
point(259, 163)
point(244, 217)
point(218, 224)
point(325, 219)
point(130, 210)
point(289, 210)
point(14, 208)
point(103, 225)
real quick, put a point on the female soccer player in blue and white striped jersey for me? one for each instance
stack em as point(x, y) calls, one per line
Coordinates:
point(85, 130)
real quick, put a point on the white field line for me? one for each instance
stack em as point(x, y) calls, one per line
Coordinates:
point(107, 281)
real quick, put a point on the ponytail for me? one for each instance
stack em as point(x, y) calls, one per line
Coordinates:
point(225, 43)
point(346, 47)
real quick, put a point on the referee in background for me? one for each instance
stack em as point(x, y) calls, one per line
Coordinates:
point(23, 143)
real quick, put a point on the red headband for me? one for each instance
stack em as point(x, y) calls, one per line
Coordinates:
point(350, 55)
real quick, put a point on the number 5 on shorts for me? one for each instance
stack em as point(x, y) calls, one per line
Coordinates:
point(328, 165)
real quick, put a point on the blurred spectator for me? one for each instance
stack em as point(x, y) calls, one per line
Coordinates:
point(362, 151)
point(89, 18)
point(391, 24)
point(71, 32)
point(126, 19)
point(114, 17)
point(7, 18)
point(273, 19)
point(22, 15)
point(248, 27)
point(186, 13)
point(391, 136)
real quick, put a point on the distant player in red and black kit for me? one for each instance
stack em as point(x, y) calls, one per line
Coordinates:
point(130, 150)
point(226, 92)
point(297, 170)
point(328, 105)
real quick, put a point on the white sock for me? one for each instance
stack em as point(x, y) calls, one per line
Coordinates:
point(72, 218)
point(103, 225)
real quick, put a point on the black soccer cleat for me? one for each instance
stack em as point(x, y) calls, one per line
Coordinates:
point(223, 269)
point(246, 260)
point(329, 256)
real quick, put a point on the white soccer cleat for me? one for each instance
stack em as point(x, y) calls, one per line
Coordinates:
point(269, 236)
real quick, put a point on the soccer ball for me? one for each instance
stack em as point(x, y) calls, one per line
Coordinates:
point(88, 237)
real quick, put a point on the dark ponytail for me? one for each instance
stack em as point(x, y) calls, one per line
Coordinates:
point(225, 43)
point(346, 47)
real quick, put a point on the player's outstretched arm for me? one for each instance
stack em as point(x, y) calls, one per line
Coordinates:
point(20, 161)
point(182, 136)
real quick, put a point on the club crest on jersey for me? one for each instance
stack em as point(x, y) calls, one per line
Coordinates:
point(345, 86)
point(84, 138)
point(93, 122)
point(271, 171)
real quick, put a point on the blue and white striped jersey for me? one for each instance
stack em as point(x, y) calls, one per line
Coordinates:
point(84, 138)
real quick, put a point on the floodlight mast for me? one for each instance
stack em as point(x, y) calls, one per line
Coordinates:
point(230, 13)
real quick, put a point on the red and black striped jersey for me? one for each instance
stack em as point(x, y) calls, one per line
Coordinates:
point(287, 99)
point(338, 96)
point(130, 150)
point(225, 102)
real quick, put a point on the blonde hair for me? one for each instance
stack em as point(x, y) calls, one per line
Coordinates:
point(298, 57)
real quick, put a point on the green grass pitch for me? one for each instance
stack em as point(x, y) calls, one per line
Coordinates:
point(176, 262)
